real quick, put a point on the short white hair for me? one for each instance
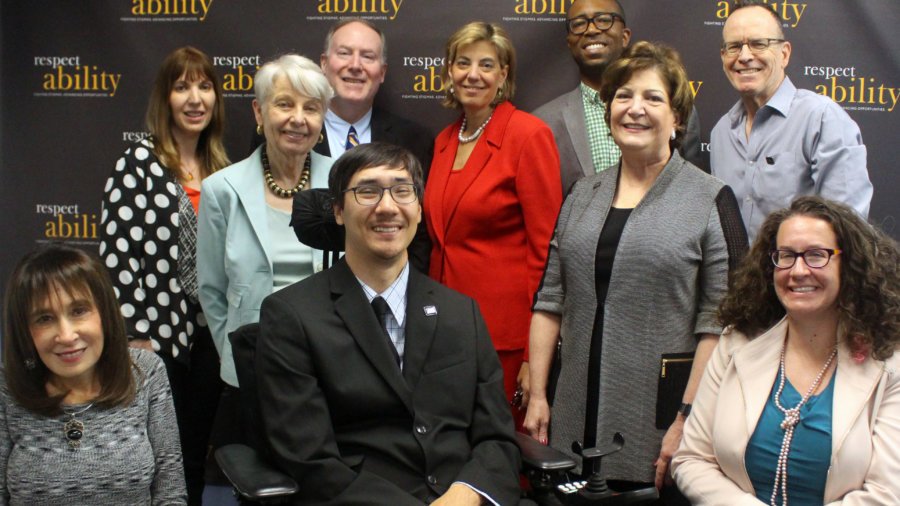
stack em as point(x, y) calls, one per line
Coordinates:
point(305, 77)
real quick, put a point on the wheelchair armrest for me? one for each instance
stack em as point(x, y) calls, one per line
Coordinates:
point(252, 477)
point(540, 457)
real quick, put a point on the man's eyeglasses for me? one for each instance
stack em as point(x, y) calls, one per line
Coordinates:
point(755, 45)
point(602, 21)
point(815, 258)
point(370, 194)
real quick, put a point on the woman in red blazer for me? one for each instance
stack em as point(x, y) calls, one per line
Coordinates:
point(493, 192)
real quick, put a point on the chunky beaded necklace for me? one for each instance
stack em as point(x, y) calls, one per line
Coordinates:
point(476, 134)
point(270, 181)
point(791, 419)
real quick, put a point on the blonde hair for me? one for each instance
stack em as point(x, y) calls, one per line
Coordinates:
point(478, 31)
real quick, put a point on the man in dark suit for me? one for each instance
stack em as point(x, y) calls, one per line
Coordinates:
point(597, 35)
point(398, 405)
point(355, 62)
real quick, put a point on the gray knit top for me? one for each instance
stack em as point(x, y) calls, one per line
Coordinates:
point(669, 274)
point(128, 456)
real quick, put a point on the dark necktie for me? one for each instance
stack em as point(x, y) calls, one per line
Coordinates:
point(380, 306)
point(352, 139)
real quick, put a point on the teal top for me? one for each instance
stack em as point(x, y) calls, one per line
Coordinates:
point(810, 451)
point(291, 259)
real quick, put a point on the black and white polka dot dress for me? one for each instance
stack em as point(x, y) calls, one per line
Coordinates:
point(139, 243)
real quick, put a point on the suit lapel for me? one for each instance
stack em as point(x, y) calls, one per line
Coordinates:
point(323, 148)
point(420, 328)
point(381, 128)
point(353, 308)
point(481, 155)
point(757, 364)
point(574, 118)
point(854, 386)
point(249, 186)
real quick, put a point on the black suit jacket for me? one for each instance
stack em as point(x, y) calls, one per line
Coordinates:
point(344, 422)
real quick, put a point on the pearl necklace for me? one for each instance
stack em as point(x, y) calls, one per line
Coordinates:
point(270, 180)
point(791, 419)
point(74, 428)
point(462, 128)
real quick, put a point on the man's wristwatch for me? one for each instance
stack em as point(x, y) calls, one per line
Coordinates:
point(685, 409)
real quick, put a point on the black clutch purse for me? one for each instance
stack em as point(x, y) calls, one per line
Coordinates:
point(674, 372)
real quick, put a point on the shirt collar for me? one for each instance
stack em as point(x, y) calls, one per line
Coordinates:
point(590, 95)
point(394, 295)
point(784, 95)
point(338, 124)
point(780, 101)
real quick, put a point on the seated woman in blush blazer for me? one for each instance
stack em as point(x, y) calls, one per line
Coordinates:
point(801, 399)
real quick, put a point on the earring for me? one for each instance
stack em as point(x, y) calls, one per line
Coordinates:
point(30, 364)
point(673, 134)
point(321, 137)
point(259, 130)
point(452, 91)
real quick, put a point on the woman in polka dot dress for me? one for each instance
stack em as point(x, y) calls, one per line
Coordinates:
point(148, 241)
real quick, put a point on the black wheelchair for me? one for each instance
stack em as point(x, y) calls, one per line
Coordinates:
point(256, 481)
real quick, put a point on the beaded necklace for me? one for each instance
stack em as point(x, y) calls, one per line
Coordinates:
point(791, 419)
point(270, 180)
point(476, 134)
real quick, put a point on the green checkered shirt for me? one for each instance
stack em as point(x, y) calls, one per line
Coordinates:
point(604, 152)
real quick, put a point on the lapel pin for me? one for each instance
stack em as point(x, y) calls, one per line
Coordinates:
point(430, 310)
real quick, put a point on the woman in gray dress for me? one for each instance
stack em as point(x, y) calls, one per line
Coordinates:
point(637, 266)
point(84, 419)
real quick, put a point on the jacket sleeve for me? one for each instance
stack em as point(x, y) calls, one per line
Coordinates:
point(690, 146)
point(289, 392)
point(123, 230)
point(212, 226)
point(494, 463)
point(5, 444)
point(551, 293)
point(724, 245)
point(881, 485)
point(540, 196)
point(838, 161)
point(694, 465)
point(168, 487)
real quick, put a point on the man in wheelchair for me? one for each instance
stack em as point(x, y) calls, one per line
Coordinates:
point(376, 384)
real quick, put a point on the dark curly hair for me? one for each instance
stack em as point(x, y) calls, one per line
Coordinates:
point(869, 296)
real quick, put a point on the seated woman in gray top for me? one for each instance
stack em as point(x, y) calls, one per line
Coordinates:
point(636, 268)
point(83, 418)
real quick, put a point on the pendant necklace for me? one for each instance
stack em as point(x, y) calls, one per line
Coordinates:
point(74, 428)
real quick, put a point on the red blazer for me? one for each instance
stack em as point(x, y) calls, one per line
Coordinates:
point(493, 245)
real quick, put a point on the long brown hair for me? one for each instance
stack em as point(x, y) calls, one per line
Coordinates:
point(195, 64)
point(38, 274)
point(869, 297)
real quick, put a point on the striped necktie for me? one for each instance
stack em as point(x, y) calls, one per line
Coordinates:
point(352, 139)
